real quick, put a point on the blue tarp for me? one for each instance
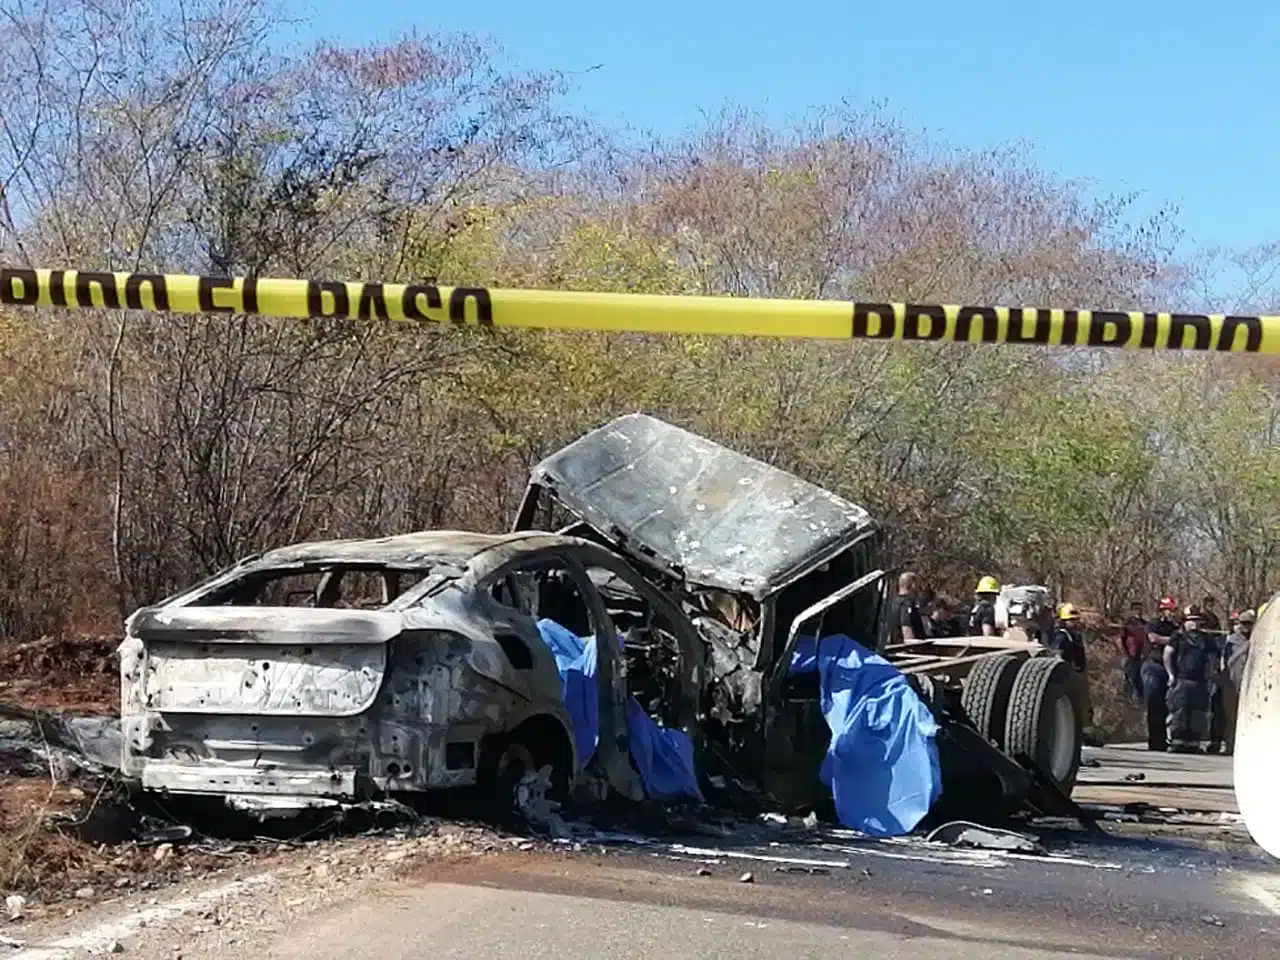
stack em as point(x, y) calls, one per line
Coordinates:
point(882, 764)
point(662, 756)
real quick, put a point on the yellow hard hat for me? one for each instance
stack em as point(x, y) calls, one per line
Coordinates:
point(1068, 612)
point(987, 585)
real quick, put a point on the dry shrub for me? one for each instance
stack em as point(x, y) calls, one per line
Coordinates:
point(34, 850)
point(1117, 718)
point(54, 568)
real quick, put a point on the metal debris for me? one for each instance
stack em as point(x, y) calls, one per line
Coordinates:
point(962, 833)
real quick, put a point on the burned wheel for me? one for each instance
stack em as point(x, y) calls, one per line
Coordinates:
point(523, 776)
point(1044, 722)
point(985, 695)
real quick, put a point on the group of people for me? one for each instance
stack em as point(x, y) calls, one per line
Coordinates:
point(1184, 666)
point(1186, 670)
point(941, 620)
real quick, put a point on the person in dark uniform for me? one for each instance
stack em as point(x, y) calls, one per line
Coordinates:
point(982, 618)
point(1155, 678)
point(1217, 705)
point(1209, 621)
point(940, 622)
point(1067, 640)
point(1190, 661)
point(907, 623)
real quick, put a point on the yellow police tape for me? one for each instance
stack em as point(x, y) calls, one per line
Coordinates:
point(639, 313)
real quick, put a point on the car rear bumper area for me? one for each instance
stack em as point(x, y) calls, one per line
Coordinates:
point(344, 759)
point(215, 777)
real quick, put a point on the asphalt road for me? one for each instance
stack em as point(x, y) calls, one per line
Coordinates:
point(1192, 888)
point(1133, 899)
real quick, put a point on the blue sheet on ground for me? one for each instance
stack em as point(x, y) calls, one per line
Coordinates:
point(662, 756)
point(882, 765)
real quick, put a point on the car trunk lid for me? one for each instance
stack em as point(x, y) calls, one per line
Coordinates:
point(263, 661)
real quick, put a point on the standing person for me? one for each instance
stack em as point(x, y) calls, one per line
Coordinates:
point(1234, 657)
point(907, 623)
point(1217, 688)
point(939, 622)
point(1209, 621)
point(1190, 662)
point(982, 618)
point(1155, 678)
point(1067, 639)
point(1133, 649)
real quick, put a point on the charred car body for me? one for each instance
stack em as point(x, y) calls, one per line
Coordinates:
point(337, 671)
point(757, 557)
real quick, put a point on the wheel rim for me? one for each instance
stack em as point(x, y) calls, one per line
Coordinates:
point(1062, 750)
point(517, 760)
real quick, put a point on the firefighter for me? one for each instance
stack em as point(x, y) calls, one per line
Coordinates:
point(1209, 621)
point(1068, 642)
point(1190, 661)
point(1155, 679)
point(982, 618)
point(1234, 657)
point(1067, 639)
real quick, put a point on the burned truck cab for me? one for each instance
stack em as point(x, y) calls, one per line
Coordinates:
point(756, 557)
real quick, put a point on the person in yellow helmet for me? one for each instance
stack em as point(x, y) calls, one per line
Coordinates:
point(982, 618)
point(1067, 639)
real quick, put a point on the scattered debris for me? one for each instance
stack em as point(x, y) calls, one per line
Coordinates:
point(962, 833)
point(792, 868)
point(762, 857)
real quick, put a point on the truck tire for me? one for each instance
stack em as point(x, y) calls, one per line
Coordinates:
point(985, 695)
point(1043, 724)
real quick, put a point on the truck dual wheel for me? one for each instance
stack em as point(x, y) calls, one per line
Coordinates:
point(1044, 723)
point(985, 695)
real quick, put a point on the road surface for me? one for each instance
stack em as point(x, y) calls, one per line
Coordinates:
point(812, 892)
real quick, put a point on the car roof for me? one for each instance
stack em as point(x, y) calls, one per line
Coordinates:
point(713, 516)
point(455, 547)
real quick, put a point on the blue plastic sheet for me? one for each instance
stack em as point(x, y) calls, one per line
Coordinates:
point(882, 764)
point(663, 757)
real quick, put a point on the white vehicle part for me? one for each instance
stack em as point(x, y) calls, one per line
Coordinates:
point(1256, 773)
point(1014, 604)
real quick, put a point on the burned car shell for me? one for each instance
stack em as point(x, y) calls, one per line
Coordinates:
point(754, 553)
point(294, 706)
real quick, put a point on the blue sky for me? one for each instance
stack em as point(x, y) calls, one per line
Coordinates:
point(1177, 100)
